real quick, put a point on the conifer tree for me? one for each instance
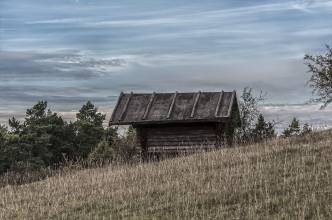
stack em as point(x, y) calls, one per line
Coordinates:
point(293, 128)
point(90, 129)
point(263, 130)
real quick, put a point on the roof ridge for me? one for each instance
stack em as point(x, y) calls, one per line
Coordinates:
point(149, 93)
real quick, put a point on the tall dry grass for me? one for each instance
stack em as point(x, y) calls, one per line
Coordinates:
point(280, 179)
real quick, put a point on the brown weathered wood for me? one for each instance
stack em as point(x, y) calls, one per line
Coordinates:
point(170, 121)
point(178, 141)
point(184, 136)
point(218, 104)
point(126, 106)
point(178, 122)
point(181, 138)
point(189, 147)
point(181, 145)
point(188, 132)
point(220, 141)
point(141, 141)
point(183, 149)
point(175, 138)
point(229, 134)
point(231, 105)
point(195, 104)
point(148, 106)
point(172, 105)
point(116, 106)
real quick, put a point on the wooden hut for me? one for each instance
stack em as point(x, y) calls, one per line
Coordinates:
point(177, 122)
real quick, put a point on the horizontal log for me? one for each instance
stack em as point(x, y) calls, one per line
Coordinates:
point(180, 138)
point(180, 145)
point(180, 134)
point(170, 128)
point(181, 130)
point(178, 150)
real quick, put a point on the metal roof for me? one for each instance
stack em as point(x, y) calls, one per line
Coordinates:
point(142, 108)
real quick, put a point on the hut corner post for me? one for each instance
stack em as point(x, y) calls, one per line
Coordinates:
point(141, 142)
point(229, 135)
point(220, 141)
point(234, 122)
point(224, 134)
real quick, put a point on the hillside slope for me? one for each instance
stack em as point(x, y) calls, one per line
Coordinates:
point(281, 179)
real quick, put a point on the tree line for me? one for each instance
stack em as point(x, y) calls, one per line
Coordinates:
point(45, 139)
point(255, 128)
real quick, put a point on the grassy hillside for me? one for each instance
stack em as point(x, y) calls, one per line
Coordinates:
point(281, 179)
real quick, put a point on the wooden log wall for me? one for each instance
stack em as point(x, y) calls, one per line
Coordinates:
point(179, 138)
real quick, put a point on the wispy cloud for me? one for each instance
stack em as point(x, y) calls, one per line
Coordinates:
point(57, 21)
point(183, 16)
point(64, 64)
point(313, 32)
point(109, 46)
point(133, 22)
point(283, 114)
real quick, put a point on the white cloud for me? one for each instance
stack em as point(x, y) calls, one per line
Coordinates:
point(132, 23)
point(186, 15)
point(76, 62)
point(58, 21)
point(306, 113)
point(313, 32)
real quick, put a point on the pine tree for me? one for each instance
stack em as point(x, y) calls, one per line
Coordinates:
point(43, 139)
point(15, 125)
point(263, 130)
point(90, 129)
point(293, 128)
point(286, 132)
point(259, 131)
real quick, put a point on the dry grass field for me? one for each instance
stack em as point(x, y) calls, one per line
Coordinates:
point(280, 179)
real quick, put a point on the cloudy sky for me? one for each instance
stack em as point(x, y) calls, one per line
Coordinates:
point(71, 51)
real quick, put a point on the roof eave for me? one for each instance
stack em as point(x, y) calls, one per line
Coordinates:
point(215, 120)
